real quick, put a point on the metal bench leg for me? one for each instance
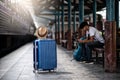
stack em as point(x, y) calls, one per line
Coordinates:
point(96, 57)
point(103, 58)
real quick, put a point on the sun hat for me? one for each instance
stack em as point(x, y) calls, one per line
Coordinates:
point(41, 32)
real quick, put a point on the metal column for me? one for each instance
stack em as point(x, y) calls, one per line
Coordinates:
point(74, 14)
point(81, 11)
point(69, 37)
point(110, 10)
point(94, 12)
point(110, 37)
point(58, 25)
point(69, 14)
point(62, 19)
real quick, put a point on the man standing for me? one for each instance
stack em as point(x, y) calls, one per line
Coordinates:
point(93, 39)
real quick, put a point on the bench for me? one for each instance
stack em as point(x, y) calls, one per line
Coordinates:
point(97, 52)
point(101, 50)
point(64, 43)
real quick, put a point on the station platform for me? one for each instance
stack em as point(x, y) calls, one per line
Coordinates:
point(18, 65)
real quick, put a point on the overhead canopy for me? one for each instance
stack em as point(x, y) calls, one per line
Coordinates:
point(46, 9)
point(52, 5)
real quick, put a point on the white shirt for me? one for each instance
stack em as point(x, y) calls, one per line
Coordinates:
point(97, 34)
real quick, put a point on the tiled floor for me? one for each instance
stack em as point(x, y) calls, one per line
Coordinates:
point(18, 65)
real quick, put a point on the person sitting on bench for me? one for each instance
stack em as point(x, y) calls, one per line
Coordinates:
point(93, 39)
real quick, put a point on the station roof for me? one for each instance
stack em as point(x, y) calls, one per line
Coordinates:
point(45, 9)
point(52, 5)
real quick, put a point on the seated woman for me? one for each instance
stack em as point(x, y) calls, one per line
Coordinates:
point(93, 39)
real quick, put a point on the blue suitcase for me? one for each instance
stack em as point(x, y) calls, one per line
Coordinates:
point(35, 54)
point(45, 54)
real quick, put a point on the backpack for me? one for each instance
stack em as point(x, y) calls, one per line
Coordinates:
point(77, 53)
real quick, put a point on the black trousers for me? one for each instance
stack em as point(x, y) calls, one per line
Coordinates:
point(88, 47)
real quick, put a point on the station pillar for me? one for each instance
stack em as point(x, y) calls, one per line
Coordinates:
point(81, 14)
point(81, 11)
point(94, 12)
point(69, 36)
point(62, 17)
point(110, 37)
point(58, 28)
point(74, 17)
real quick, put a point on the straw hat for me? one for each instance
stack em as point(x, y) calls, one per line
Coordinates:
point(41, 31)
